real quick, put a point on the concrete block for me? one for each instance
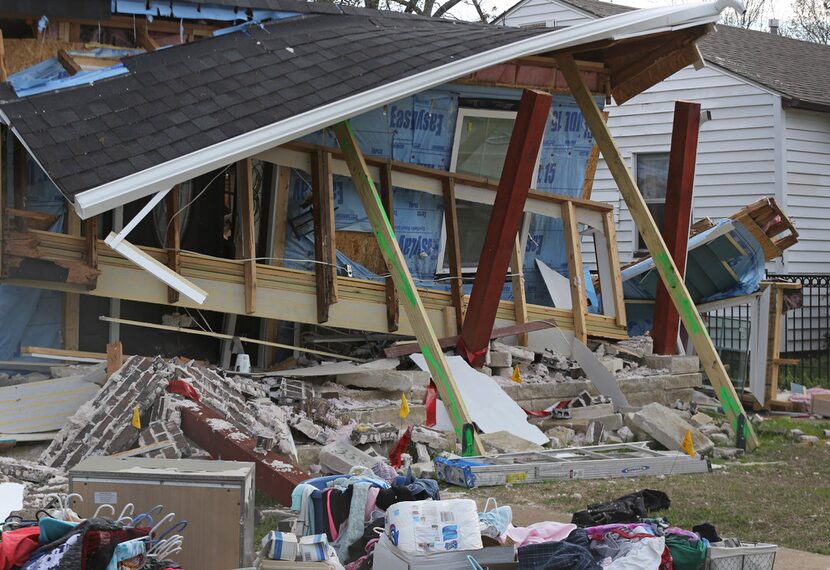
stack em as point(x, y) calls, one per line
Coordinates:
point(690, 380)
point(516, 352)
point(719, 438)
point(612, 364)
point(701, 419)
point(727, 452)
point(594, 433)
point(506, 442)
point(625, 434)
point(674, 364)
point(390, 380)
point(663, 425)
point(432, 438)
point(499, 359)
point(390, 414)
point(810, 439)
point(503, 372)
point(309, 429)
point(486, 370)
point(610, 438)
point(564, 435)
point(340, 457)
point(308, 455)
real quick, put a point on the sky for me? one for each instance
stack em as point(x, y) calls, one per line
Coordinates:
point(776, 8)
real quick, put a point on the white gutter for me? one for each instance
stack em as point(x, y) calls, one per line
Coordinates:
point(639, 22)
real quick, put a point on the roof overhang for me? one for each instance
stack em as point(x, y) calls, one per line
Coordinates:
point(635, 24)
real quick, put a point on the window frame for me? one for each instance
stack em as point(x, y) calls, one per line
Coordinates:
point(640, 248)
point(524, 230)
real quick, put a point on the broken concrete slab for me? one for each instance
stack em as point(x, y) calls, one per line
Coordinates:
point(499, 359)
point(506, 442)
point(598, 374)
point(719, 438)
point(594, 433)
point(672, 363)
point(613, 364)
point(669, 429)
point(727, 453)
point(700, 419)
point(340, 457)
point(363, 434)
point(432, 438)
point(564, 435)
point(625, 434)
point(388, 380)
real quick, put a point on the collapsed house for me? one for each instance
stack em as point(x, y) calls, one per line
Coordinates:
point(276, 177)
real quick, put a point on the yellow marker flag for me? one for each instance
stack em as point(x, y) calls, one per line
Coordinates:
point(517, 376)
point(687, 444)
point(136, 418)
point(404, 407)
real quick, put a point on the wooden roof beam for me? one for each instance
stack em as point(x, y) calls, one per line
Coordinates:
point(68, 62)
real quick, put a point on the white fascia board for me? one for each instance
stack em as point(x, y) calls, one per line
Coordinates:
point(157, 269)
point(155, 179)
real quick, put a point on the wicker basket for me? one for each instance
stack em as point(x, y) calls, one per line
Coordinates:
point(745, 556)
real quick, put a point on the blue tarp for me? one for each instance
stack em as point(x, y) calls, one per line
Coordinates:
point(32, 317)
point(191, 11)
point(420, 130)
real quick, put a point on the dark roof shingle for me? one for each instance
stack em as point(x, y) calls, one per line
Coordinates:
point(181, 99)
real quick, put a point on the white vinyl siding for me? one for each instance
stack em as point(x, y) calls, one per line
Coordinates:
point(736, 149)
point(534, 12)
point(807, 155)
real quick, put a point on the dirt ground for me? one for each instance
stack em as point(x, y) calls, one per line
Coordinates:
point(779, 494)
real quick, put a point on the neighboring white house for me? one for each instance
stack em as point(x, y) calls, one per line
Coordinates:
point(769, 133)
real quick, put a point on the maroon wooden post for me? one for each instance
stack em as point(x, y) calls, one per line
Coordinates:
point(494, 261)
point(678, 217)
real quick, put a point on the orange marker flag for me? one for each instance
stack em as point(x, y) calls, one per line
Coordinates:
point(686, 445)
point(517, 376)
point(136, 418)
point(404, 413)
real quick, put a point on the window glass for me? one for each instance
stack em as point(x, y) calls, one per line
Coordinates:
point(652, 175)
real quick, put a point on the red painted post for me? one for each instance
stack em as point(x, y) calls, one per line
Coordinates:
point(494, 261)
point(678, 217)
point(274, 474)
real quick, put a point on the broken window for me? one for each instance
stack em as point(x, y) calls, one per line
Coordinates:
point(652, 173)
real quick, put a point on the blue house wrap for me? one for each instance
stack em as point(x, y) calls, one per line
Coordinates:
point(421, 130)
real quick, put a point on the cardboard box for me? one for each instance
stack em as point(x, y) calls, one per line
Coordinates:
point(281, 545)
point(820, 405)
point(390, 557)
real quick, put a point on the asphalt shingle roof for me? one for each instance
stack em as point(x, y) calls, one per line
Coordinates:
point(799, 70)
point(178, 100)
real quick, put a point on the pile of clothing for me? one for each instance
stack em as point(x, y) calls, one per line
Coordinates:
point(350, 510)
point(60, 540)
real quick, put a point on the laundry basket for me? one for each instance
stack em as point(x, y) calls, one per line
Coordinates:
point(734, 555)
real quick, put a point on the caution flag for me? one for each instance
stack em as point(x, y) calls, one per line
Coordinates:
point(404, 407)
point(687, 444)
point(136, 418)
point(517, 376)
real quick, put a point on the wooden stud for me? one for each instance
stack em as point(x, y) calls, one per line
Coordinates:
point(173, 243)
point(144, 40)
point(115, 357)
point(91, 237)
point(665, 266)
point(71, 301)
point(69, 64)
point(518, 280)
point(20, 164)
point(776, 309)
point(246, 192)
point(410, 299)
point(325, 253)
point(454, 251)
point(387, 196)
point(576, 273)
point(3, 193)
point(63, 31)
point(278, 225)
point(505, 220)
point(652, 72)
point(4, 75)
point(614, 262)
point(677, 218)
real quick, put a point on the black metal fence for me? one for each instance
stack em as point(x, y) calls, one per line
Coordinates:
point(806, 335)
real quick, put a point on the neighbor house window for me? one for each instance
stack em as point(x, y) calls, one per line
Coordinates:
point(652, 173)
point(480, 146)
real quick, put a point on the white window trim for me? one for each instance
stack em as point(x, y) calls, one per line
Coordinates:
point(464, 112)
point(634, 166)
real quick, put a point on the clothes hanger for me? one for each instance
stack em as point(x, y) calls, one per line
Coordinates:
point(104, 506)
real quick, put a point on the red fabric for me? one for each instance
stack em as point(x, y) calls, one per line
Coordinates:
point(17, 545)
point(666, 562)
point(431, 400)
point(183, 388)
point(542, 414)
point(400, 447)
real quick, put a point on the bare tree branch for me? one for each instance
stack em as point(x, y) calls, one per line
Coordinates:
point(810, 22)
point(752, 18)
point(450, 4)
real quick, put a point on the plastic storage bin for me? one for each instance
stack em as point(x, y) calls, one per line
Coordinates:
point(741, 556)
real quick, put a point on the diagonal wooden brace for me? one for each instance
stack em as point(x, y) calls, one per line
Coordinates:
point(409, 297)
point(666, 267)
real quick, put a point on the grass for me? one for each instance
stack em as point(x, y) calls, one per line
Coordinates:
point(778, 494)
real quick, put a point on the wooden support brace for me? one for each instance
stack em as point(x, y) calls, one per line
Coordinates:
point(387, 196)
point(665, 266)
point(246, 188)
point(144, 40)
point(518, 280)
point(325, 252)
point(454, 251)
point(173, 242)
point(677, 218)
point(591, 168)
point(505, 220)
point(410, 299)
point(576, 272)
point(68, 62)
point(115, 357)
point(776, 308)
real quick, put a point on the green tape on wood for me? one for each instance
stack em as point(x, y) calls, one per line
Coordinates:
point(730, 404)
point(686, 309)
